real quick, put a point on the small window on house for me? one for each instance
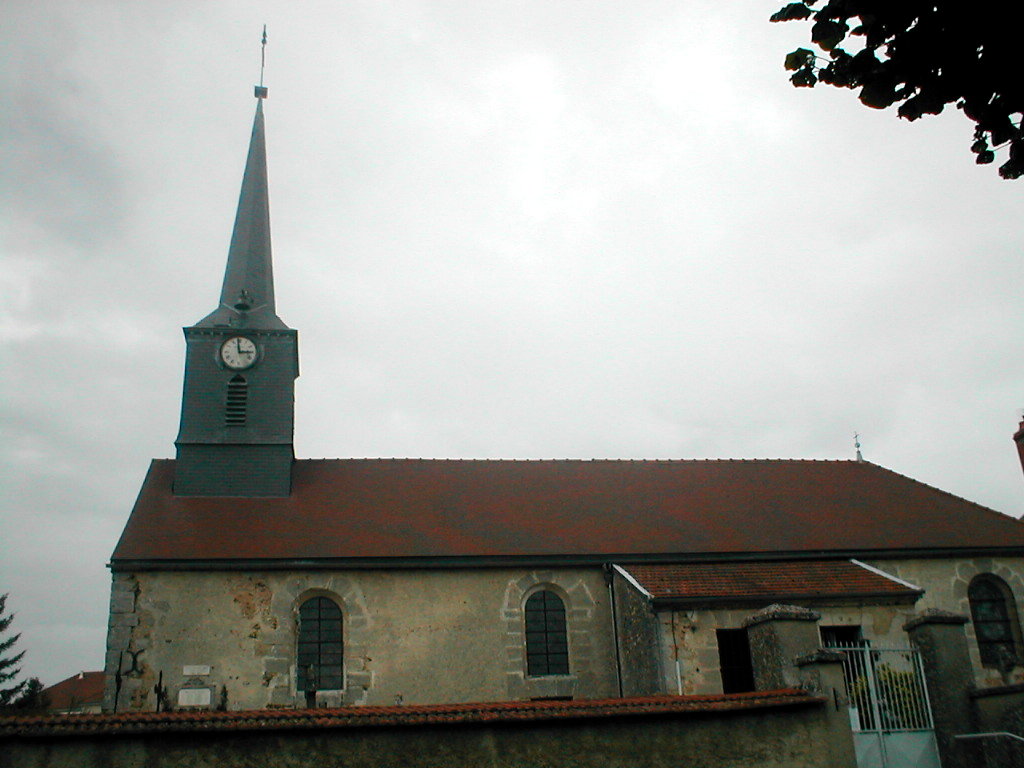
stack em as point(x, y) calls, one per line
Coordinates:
point(547, 644)
point(320, 646)
point(843, 636)
point(237, 400)
point(994, 616)
point(734, 660)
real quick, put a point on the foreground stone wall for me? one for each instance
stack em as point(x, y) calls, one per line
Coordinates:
point(416, 636)
point(788, 737)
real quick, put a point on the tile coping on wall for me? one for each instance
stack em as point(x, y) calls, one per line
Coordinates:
point(363, 716)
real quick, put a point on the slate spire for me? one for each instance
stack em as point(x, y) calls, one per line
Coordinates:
point(247, 296)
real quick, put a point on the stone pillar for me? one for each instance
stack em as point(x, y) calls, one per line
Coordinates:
point(779, 634)
point(939, 635)
point(786, 652)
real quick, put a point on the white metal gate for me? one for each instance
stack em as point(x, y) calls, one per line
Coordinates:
point(889, 709)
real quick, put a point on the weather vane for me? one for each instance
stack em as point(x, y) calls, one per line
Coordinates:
point(261, 92)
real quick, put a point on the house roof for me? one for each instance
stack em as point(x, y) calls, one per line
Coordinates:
point(391, 716)
point(371, 511)
point(76, 691)
point(804, 580)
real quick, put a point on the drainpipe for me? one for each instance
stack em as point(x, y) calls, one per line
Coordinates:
point(675, 654)
point(609, 579)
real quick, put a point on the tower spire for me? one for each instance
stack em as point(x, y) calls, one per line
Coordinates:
point(247, 295)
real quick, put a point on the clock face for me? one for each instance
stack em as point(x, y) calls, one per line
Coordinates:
point(238, 352)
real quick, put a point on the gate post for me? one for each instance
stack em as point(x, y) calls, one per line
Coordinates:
point(939, 635)
point(779, 634)
point(786, 652)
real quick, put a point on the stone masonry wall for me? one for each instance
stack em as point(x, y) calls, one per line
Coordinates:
point(945, 582)
point(411, 637)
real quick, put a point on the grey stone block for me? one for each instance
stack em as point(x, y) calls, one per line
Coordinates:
point(281, 697)
point(277, 665)
point(122, 600)
point(119, 637)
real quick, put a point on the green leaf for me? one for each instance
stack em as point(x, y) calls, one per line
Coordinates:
point(921, 104)
point(986, 157)
point(979, 146)
point(792, 12)
point(805, 78)
point(801, 57)
point(1012, 169)
point(877, 95)
point(828, 34)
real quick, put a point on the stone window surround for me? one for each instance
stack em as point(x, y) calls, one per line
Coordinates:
point(356, 680)
point(580, 617)
point(1009, 607)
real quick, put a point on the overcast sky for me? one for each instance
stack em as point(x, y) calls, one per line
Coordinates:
point(503, 229)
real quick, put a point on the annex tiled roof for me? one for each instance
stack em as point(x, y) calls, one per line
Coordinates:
point(809, 580)
point(76, 691)
point(366, 509)
point(369, 716)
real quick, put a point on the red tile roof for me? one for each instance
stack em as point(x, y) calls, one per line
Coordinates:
point(78, 690)
point(808, 580)
point(364, 509)
point(367, 716)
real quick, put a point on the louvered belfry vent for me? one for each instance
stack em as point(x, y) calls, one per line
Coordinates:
point(234, 411)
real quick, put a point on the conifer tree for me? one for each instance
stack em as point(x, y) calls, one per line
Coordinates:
point(9, 669)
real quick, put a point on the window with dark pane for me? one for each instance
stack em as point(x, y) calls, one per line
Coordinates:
point(319, 659)
point(993, 616)
point(547, 643)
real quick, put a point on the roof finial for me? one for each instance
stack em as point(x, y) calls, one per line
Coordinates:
point(856, 445)
point(261, 92)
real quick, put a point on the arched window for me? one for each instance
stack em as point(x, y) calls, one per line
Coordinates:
point(237, 401)
point(995, 620)
point(547, 645)
point(320, 645)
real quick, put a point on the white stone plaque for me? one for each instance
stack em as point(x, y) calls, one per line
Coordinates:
point(194, 697)
point(195, 670)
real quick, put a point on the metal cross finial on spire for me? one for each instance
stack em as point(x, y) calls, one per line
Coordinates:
point(856, 445)
point(261, 92)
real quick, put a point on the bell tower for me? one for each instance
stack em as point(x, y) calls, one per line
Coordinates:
point(241, 362)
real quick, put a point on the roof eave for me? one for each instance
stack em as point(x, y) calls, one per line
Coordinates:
point(118, 565)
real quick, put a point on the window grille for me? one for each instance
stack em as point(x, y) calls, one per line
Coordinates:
point(547, 644)
point(237, 400)
point(994, 616)
point(843, 636)
point(319, 662)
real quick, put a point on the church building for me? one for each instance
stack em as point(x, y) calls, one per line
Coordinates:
point(247, 579)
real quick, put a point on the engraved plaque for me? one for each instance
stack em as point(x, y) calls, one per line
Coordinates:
point(195, 670)
point(194, 697)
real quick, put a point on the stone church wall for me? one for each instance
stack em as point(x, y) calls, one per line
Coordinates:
point(224, 639)
point(945, 582)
